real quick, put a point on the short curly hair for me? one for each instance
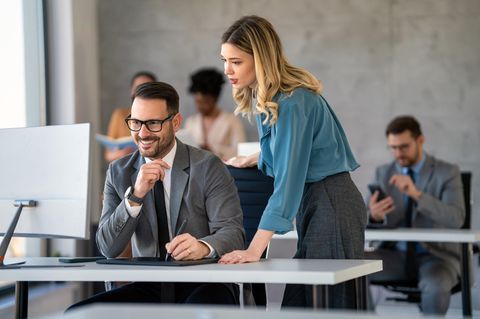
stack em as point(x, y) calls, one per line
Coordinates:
point(207, 82)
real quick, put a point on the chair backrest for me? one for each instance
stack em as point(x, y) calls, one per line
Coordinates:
point(467, 192)
point(254, 190)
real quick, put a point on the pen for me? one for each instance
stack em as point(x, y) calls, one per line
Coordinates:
point(180, 231)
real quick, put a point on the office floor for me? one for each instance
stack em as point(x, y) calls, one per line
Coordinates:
point(455, 311)
point(385, 307)
point(43, 300)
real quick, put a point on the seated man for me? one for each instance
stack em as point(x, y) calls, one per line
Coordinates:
point(150, 193)
point(422, 192)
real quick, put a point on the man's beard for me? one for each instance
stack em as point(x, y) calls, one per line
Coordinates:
point(160, 147)
point(410, 161)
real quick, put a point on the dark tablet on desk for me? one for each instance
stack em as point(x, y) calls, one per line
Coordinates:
point(153, 261)
point(78, 259)
point(379, 226)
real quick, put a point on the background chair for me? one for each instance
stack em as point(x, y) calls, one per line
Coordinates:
point(409, 288)
point(254, 190)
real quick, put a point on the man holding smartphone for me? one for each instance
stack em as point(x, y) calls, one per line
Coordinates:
point(423, 192)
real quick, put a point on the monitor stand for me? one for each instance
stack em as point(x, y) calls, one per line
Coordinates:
point(9, 234)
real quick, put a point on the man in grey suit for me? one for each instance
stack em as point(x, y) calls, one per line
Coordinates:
point(149, 194)
point(428, 191)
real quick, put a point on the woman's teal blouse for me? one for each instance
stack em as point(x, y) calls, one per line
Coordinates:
point(305, 145)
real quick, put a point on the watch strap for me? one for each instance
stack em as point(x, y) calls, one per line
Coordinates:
point(134, 198)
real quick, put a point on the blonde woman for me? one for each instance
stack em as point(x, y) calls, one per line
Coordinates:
point(305, 150)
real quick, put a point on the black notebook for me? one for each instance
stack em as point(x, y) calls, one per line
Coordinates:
point(155, 261)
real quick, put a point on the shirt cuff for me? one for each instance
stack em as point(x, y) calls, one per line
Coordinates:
point(212, 253)
point(133, 211)
point(376, 222)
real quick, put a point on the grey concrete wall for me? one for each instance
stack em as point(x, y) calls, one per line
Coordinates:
point(376, 58)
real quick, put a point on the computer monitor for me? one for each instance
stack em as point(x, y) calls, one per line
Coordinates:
point(50, 167)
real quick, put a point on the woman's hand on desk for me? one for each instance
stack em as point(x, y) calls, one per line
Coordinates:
point(243, 161)
point(254, 252)
point(239, 257)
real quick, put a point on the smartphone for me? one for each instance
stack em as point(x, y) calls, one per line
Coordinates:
point(375, 187)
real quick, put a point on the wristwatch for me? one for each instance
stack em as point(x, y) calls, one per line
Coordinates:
point(129, 196)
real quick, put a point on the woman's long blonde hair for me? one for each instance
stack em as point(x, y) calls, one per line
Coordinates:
point(256, 36)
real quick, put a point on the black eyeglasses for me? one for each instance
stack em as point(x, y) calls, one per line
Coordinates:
point(152, 125)
point(401, 148)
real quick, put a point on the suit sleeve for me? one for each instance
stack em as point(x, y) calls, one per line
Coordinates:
point(222, 204)
point(116, 227)
point(449, 209)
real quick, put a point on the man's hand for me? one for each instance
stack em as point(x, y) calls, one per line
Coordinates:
point(187, 247)
point(148, 175)
point(379, 209)
point(405, 185)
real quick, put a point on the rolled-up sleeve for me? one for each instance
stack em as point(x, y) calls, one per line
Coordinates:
point(291, 145)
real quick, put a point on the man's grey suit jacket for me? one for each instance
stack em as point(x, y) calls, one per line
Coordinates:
point(202, 191)
point(441, 205)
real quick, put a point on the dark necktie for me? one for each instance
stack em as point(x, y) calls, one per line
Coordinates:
point(411, 246)
point(162, 221)
point(167, 289)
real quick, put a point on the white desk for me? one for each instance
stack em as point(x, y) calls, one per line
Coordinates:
point(424, 235)
point(465, 237)
point(122, 311)
point(317, 273)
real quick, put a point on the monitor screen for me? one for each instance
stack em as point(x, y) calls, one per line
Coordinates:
point(50, 165)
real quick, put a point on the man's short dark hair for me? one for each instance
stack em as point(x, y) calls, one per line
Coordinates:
point(161, 91)
point(404, 123)
point(147, 74)
point(207, 82)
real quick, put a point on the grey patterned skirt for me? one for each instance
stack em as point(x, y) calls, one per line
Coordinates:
point(331, 225)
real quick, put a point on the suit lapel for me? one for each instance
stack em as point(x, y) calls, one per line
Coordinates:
point(179, 181)
point(148, 202)
point(136, 167)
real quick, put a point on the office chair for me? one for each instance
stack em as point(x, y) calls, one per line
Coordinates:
point(254, 190)
point(409, 288)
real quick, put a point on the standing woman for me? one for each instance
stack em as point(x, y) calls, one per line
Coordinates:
point(304, 148)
